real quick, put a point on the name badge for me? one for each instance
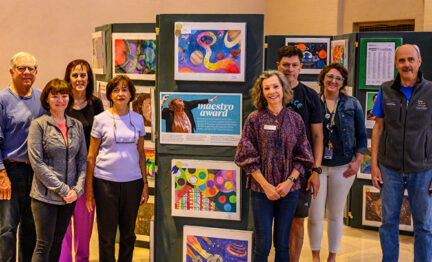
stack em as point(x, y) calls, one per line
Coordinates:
point(269, 127)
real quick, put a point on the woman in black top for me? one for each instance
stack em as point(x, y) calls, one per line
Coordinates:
point(80, 75)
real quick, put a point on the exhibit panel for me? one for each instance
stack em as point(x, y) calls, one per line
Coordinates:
point(206, 66)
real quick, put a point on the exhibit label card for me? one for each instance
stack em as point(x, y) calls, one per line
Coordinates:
point(210, 51)
point(200, 118)
point(216, 244)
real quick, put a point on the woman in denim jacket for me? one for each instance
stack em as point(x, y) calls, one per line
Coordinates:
point(58, 154)
point(345, 143)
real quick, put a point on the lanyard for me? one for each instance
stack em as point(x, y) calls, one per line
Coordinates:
point(330, 115)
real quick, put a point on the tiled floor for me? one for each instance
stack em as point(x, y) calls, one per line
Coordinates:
point(357, 246)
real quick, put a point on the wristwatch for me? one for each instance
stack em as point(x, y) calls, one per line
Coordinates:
point(293, 179)
point(317, 169)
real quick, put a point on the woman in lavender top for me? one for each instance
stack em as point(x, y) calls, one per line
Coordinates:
point(274, 151)
point(116, 172)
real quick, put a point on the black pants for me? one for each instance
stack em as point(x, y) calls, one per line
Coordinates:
point(17, 211)
point(51, 223)
point(117, 204)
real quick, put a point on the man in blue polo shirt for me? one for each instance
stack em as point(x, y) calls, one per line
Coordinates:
point(402, 154)
point(19, 105)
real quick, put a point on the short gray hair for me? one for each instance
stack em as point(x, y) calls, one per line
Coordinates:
point(14, 58)
point(414, 46)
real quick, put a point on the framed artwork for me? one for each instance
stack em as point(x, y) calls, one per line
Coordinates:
point(339, 52)
point(210, 51)
point(134, 55)
point(370, 102)
point(101, 93)
point(216, 244)
point(377, 61)
point(99, 54)
point(365, 167)
point(206, 189)
point(142, 225)
point(150, 154)
point(315, 53)
point(144, 104)
point(371, 210)
point(208, 119)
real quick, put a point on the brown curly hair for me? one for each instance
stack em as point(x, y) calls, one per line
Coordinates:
point(257, 94)
point(342, 70)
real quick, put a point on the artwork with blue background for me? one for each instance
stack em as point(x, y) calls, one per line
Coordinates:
point(209, 51)
point(200, 248)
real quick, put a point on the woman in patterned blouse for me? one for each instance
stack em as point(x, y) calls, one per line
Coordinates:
point(274, 151)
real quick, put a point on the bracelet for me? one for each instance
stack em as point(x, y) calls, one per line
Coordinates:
point(146, 182)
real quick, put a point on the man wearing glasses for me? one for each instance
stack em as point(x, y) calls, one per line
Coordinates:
point(306, 102)
point(19, 105)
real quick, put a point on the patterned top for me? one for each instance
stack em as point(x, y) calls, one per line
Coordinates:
point(274, 144)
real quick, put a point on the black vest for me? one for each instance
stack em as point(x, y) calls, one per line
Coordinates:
point(406, 143)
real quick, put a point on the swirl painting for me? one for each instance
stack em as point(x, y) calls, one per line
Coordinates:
point(210, 51)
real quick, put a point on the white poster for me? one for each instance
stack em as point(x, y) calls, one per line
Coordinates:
point(379, 62)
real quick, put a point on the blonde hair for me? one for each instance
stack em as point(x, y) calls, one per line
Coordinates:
point(257, 94)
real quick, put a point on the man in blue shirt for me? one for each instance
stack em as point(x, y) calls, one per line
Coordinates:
point(402, 154)
point(19, 105)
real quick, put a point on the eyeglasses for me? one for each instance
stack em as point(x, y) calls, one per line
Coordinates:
point(333, 77)
point(124, 141)
point(22, 69)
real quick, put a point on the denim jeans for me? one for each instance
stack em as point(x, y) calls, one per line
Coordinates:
point(264, 210)
point(16, 211)
point(51, 224)
point(117, 204)
point(420, 201)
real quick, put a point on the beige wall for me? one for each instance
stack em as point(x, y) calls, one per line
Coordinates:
point(301, 17)
point(382, 10)
point(58, 31)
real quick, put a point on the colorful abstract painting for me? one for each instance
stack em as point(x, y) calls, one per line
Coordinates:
point(365, 167)
point(98, 43)
point(134, 54)
point(316, 53)
point(372, 208)
point(216, 244)
point(210, 51)
point(150, 163)
point(339, 52)
point(204, 188)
